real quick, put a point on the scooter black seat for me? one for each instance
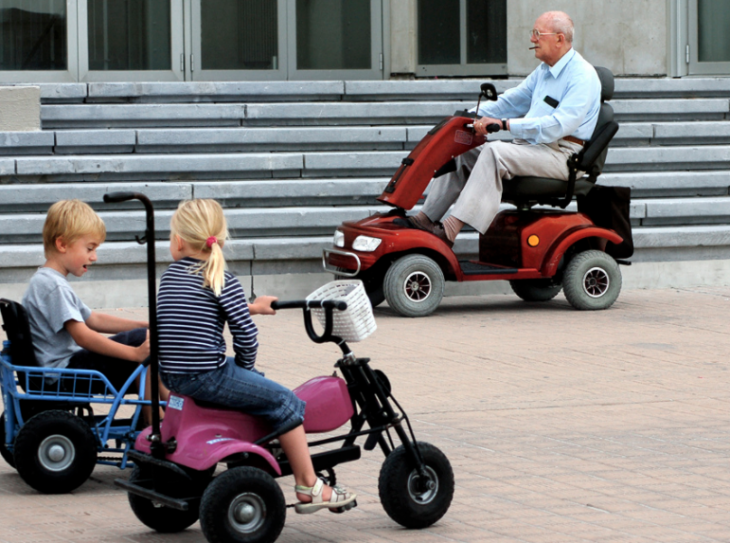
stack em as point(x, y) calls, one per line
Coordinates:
point(539, 188)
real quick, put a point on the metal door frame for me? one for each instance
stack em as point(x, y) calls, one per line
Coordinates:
point(177, 60)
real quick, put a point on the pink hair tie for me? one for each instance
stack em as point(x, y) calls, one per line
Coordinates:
point(211, 241)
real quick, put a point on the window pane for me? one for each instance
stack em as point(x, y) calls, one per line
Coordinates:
point(486, 31)
point(439, 39)
point(129, 35)
point(238, 35)
point(333, 35)
point(33, 35)
point(714, 38)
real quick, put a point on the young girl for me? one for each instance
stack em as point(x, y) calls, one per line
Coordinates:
point(196, 298)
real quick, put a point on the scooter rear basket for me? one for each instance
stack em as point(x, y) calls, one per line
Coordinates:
point(354, 323)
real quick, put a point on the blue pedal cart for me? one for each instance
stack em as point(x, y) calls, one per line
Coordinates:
point(59, 423)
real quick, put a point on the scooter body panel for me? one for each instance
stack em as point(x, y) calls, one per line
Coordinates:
point(206, 435)
point(448, 139)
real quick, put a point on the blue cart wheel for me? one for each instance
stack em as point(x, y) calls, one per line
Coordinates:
point(55, 452)
point(4, 452)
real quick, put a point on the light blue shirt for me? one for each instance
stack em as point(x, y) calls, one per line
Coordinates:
point(572, 82)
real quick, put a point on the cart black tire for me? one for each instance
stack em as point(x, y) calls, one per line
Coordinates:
point(535, 290)
point(55, 452)
point(403, 502)
point(592, 281)
point(243, 505)
point(4, 452)
point(165, 520)
point(403, 274)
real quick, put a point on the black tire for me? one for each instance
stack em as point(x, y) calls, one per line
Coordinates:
point(414, 285)
point(165, 519)
point(592, 281)
point(243, 505)
point(535, 290)
point(55, 452)
point(4, 452)
point(406, 504)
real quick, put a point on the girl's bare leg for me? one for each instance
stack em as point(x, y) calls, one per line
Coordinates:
point(294, 444)
point(164, 394)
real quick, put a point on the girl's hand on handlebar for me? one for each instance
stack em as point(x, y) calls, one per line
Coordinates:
point(142, 352)
point(481, 125)
point(262, 306)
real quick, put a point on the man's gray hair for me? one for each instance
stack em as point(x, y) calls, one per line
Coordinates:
point(562, 24)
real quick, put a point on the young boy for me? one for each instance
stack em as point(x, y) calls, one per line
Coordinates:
point(66, 333)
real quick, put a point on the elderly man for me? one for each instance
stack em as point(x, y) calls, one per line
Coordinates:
point(550, 114)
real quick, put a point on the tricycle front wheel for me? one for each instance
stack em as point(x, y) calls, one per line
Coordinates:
point(410, 500)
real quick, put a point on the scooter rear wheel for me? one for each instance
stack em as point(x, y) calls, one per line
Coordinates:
point(414, 285)
point(408, 500)
point(535, 290)
point(243, 505)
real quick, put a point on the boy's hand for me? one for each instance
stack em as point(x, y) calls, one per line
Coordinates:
point(262, 305)
point(143, 351)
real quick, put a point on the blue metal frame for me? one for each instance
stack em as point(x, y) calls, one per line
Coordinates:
point(71, 386)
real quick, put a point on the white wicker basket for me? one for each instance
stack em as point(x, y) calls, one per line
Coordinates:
point(354, 323)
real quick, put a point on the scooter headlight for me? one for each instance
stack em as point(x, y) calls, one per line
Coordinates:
point(366, 243)
point(339, 239)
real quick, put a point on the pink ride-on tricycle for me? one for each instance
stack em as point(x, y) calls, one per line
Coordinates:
point(173, 483)
point(538, 251)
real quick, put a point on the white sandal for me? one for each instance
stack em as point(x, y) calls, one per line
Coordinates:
point(340, 501)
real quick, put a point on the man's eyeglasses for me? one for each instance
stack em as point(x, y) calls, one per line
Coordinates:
point(534, 33)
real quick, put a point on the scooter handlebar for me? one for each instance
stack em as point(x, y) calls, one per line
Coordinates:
point(309, 304)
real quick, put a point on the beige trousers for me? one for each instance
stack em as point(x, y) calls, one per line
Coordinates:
point(476, 195)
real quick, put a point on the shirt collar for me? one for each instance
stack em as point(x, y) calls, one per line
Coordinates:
point(562, 63)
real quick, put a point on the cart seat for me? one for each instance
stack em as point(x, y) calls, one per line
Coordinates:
point(16, 326)
point(526, 191)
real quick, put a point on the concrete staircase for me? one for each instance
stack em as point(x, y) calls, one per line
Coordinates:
point(291, 160)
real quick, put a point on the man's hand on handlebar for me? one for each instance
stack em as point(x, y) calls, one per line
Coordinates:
point(481, 125)
point(262, 305)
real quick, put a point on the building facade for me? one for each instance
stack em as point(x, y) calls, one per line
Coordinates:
point(216, 40)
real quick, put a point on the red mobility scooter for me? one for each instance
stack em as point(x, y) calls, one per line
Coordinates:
point(539, 251)
point(174, 483)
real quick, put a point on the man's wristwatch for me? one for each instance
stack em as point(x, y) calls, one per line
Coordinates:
point(504, 124)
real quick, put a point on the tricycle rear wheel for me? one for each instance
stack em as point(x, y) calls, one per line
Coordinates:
point(408, 500)
point(163, 519)
point(243, 505)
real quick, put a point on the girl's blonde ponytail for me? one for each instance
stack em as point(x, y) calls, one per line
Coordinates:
point(202, 225)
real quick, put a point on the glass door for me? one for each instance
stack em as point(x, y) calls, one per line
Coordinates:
point(235, 39)
point(709, 37)
point(286, 39)
point(335, 39)
point(462, 37)
point(38, 41)
point(131, 40)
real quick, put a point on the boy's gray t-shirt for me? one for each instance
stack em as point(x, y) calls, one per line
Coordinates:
point(50, 302)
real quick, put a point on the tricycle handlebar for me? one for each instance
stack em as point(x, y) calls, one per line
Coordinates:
point(310, 304)
point(115, 197)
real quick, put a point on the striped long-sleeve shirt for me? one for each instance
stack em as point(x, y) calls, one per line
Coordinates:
point(191, 320)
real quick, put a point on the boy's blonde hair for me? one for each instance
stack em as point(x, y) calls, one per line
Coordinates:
point(196, 221)
point(70, 220)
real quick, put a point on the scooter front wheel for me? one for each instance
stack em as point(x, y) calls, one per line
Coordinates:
point(414, 285)
point(243, 505)
point(410, 500)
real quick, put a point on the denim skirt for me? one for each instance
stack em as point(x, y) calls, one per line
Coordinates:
point(238, 388)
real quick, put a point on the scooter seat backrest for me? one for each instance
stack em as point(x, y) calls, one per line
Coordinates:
point(17, 327)
point(595, 158)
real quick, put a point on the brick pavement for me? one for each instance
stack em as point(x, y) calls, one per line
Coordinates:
point(562, 426)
